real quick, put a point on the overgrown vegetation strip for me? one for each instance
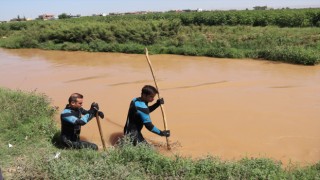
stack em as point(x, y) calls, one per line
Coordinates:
point(291, 36)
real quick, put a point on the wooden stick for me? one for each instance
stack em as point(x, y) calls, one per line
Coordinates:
point(161, 105)
point(100, 131)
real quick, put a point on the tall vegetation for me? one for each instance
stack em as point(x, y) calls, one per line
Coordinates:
point(281, 35)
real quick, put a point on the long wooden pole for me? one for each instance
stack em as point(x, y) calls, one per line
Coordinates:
point(161, 105)
point(100, 131)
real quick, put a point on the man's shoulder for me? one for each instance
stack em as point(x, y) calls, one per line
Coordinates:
point(66, 110)
point(139, 103)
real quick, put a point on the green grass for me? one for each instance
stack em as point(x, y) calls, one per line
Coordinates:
point(29, 114)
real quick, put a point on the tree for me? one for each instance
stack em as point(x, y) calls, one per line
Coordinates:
point(260, 8)
point(63, 16)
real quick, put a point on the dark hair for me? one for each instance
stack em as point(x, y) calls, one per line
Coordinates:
point(147, 90)
point(74, 97)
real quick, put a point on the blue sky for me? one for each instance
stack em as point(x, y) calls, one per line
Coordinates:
point(32, 8)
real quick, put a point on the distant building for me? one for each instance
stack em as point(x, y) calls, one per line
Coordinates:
point(46, 17)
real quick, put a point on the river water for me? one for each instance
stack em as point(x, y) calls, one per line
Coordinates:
point(221, 107)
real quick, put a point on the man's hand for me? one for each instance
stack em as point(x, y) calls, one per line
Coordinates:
point(160, 101)
point(94, 106)
point(165, 133)
point(100, 113)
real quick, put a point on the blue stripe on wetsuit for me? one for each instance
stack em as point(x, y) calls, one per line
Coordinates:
point(72, 119)
point(143, 111)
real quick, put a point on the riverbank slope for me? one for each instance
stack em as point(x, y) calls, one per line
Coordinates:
point(287, 35)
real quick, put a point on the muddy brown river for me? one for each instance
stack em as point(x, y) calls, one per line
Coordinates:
point(220, 107)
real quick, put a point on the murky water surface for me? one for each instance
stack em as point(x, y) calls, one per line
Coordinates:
point(222, 107)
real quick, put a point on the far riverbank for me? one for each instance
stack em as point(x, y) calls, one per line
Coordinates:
point(290, 35)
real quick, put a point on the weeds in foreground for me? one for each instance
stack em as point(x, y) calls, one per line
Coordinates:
point(36, 157)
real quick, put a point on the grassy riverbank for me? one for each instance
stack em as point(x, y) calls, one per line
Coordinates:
point(26, 122)
point(290, 36)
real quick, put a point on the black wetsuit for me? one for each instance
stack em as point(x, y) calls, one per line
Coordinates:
point(138, 116)
point(71, 122)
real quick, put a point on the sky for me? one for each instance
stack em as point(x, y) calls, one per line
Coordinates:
point(33, 8)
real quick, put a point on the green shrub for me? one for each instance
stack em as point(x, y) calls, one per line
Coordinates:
point(294, 55)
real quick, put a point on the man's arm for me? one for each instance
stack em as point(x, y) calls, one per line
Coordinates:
point(144, 115)
point(68, 116)
point(156, 105)
point(83, 111)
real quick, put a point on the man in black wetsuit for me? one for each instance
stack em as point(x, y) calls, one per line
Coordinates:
point(72, 118)
point(138, 115)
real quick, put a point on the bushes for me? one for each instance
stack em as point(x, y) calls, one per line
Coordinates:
point(281, 18)
point(21, 112)
point(195, 33)
point(296, 55)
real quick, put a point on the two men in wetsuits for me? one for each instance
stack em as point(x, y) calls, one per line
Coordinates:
point(74, 116)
